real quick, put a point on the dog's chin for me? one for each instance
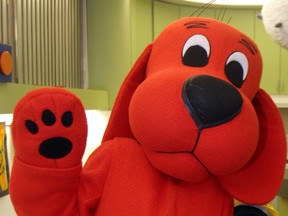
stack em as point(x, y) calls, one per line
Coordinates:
point(183, 166)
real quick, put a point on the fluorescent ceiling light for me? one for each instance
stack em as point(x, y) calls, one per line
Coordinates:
point(232, 2)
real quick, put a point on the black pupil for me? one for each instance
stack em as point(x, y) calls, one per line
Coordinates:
point(195, 56)
point(234, 73)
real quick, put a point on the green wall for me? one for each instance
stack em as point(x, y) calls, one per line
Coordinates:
point(119, 30)
point(11, 93)
point(117, 33)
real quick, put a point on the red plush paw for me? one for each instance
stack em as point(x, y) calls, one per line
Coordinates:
point(49, 128)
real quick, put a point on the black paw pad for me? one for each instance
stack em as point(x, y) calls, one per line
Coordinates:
point(32, 126)
point(67, 119)
point(55, 148)
point(48, 117)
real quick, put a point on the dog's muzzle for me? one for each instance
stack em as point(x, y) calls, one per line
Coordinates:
point(211, 101)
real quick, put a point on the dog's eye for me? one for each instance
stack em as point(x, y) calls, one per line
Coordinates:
point(236, 68)
point(196, 51)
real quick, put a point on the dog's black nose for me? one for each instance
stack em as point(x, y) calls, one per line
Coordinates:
point(211, 101)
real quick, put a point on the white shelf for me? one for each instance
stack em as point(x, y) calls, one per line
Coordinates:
point(280, 100)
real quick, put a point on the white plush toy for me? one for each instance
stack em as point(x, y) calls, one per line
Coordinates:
point(275, 18)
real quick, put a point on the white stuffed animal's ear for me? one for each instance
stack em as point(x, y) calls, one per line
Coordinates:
point(259, 16)
point(259, 181)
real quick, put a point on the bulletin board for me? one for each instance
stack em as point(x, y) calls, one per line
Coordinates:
point(4, 166)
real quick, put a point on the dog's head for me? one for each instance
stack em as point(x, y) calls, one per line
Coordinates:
point(192, 101)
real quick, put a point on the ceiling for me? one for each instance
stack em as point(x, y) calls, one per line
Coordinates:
point(231, 2)
point(221, 2)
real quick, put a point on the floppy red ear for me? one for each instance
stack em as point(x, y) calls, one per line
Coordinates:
point(259, 181)
point(118, 125)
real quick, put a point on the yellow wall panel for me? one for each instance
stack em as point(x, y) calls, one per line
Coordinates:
point(186, 11)
point(271, 59)
point(141, 26)
point(239, 18)
point(163, 15)
point(109, 44)
point(284, 71)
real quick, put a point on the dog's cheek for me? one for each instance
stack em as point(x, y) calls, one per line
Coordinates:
point(227, 148)
point(158, 117)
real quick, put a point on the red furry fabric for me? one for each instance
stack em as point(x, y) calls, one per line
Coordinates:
point(262, 176)
point(157, 158)
point(140, 189)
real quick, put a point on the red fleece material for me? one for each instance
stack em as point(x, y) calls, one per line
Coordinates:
point(140, 189)
point(154, 160)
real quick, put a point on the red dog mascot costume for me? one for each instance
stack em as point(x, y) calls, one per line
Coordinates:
point(190, 131)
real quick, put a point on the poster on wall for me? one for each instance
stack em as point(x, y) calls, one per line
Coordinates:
point(4, 167)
